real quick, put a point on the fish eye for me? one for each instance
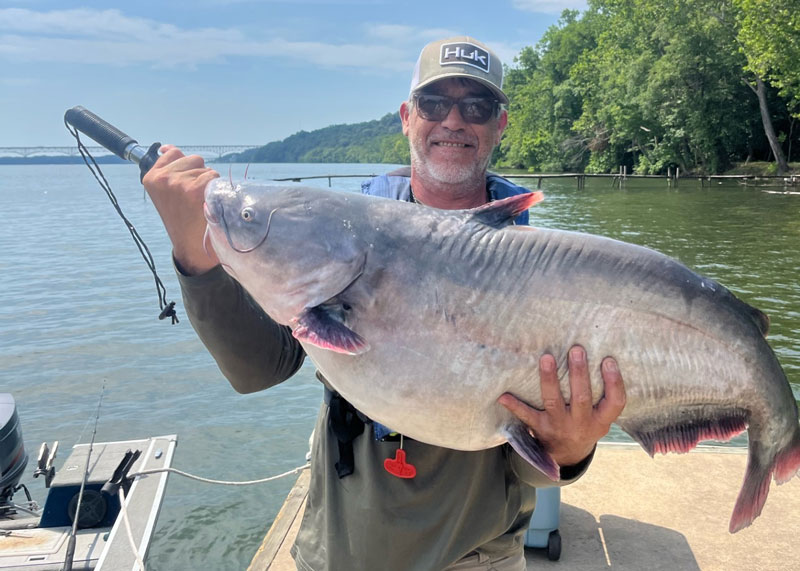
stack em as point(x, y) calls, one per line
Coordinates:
point(248, 214)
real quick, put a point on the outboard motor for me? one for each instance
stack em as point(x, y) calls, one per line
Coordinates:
point(13, 458)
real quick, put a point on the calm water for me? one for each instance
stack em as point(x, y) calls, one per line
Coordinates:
point(78, 308)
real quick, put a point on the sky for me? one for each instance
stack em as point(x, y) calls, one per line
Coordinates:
point(231, 72)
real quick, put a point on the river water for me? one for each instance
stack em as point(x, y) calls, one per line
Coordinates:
point(78, 310)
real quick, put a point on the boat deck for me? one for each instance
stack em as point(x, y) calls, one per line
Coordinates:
point(23, 545)
point(633, 512)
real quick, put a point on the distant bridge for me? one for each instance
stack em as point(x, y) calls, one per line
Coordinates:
point(215, 151)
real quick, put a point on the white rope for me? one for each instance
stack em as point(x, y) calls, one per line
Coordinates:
point(192, 477)
point(222, 482)
point(125, 519)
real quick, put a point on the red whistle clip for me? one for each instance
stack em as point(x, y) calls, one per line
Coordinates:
point(397, 466)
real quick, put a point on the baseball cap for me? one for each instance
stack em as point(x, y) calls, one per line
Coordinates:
point(460, 56)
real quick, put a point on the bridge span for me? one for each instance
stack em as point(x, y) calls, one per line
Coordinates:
point(207, 151)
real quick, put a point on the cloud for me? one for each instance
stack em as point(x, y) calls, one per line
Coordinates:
point(317, 2)
point(549, 6)
point(406, 34)
point(505, 51)
point(110, 37)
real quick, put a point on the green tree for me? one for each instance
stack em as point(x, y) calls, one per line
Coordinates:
point(649, 84)
point(368, 142)
point(545, 101)
point(769, 35)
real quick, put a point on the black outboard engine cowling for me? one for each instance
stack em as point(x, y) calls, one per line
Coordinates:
point(13, 458)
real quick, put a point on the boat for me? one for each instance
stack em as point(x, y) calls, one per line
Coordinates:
point(40, 538)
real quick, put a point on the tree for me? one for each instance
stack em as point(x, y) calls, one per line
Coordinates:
point(545, 102)
point(653, 84)
point(769, 36)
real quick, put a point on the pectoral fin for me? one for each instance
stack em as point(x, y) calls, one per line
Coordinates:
point(502, 213)
point(318, 327)
point(532, 450)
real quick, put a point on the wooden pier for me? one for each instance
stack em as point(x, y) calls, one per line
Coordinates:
point(617, 179)
point(319, 176)
point(631, 512)
point(672, 179)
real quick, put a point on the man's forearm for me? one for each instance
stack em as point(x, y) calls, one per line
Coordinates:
point(252, 351)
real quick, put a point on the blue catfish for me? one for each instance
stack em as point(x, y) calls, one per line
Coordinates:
point(422, 318)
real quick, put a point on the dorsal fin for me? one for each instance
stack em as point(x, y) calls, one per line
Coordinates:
point(758, 317)
point(503, 212)
point(761, 319)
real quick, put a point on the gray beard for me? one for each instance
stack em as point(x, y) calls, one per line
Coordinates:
point(447, 173)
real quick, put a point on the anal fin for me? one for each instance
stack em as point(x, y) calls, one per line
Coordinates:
point(681, 431)
point(532, 450)
point(317, 327)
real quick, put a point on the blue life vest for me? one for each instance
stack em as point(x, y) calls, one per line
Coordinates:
point(397, 185)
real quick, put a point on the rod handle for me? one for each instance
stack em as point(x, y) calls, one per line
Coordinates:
point(100, 130)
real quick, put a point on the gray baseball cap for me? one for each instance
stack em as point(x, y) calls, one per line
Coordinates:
point(461, 56)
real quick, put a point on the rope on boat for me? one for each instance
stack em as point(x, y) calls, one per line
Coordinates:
point(131, 541)
point(124, 510)
point(221, 482)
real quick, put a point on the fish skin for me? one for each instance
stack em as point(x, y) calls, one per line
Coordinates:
point(432, 315)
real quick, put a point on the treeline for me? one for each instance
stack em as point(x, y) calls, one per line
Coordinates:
point(654, 84)
point(379, 141)
point(650, 85)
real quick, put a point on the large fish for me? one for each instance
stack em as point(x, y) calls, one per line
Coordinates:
point(422, 318)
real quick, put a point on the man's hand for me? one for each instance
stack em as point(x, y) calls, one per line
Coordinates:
point(569, 432)
point(176, 184)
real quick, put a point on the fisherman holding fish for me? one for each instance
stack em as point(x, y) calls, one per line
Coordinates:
point(378, 500)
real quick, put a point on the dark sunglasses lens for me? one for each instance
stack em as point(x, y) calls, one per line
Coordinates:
point(434, 107)
point(476, 110)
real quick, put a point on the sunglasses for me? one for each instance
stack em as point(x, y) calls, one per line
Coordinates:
point(477, 110)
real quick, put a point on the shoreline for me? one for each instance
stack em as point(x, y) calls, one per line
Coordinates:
point(757, 169)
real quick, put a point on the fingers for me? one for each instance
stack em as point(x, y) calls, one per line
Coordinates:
point(519, 409)
point(172, 159)
point(176, 184)
point(614, 398)
point(551, 389)
point(570, 432)
point(555, 409)
point(581, 410)
point(580, 402)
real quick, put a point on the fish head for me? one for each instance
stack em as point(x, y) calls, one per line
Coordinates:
point(291, 247)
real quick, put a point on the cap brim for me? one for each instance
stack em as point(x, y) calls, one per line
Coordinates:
point(501, 97)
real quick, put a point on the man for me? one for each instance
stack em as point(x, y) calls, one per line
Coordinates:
point(462, 510)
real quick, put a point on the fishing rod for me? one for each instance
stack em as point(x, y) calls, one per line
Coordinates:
point(107, 135)
point(70, 554)
point(79, 119)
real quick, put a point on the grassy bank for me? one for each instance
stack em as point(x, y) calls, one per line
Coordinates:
point(760, 168)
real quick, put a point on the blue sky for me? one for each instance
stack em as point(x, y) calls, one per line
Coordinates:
point(231, 71)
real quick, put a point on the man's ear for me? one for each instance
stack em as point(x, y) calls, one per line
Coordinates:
point(502, 121)
point(405, 114)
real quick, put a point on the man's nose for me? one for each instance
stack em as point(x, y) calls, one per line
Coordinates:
point(454, 121)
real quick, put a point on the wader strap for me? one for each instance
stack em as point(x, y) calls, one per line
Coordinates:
point(346, 425)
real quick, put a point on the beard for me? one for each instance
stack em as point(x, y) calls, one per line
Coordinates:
point(446, 173)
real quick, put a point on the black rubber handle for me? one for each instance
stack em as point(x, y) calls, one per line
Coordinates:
point(101, 131)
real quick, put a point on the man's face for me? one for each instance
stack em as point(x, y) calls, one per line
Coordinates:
point(451, 151)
